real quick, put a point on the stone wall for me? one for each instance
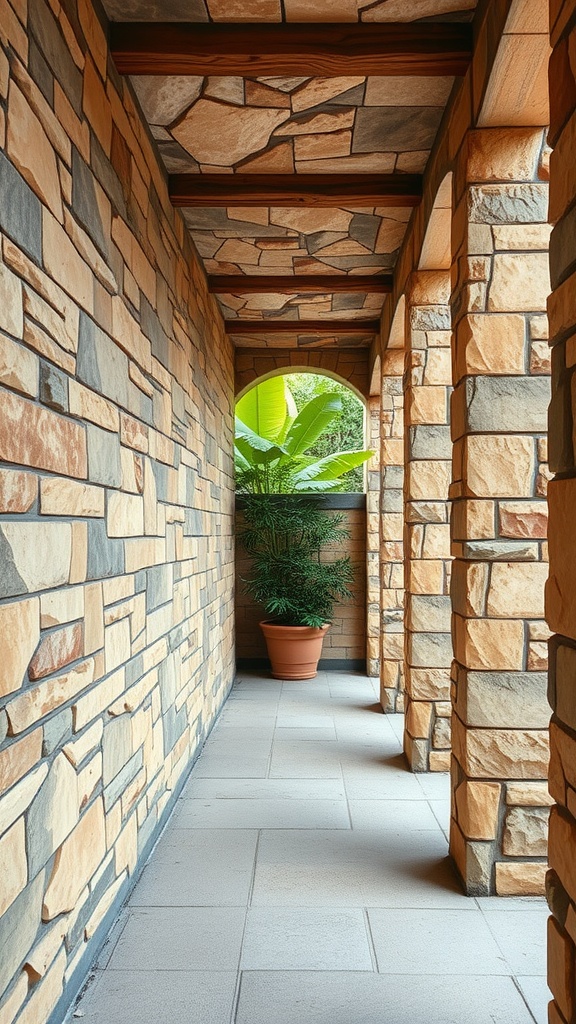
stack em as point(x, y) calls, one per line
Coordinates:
point(116, 611)
point(346, 638)
point(561, 591)
point(348, 364)
point(392, 532)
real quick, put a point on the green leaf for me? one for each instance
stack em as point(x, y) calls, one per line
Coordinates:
point(291, 414)
point(253, 447)
point(311, 421)
point(264, 409)
point(332, 467)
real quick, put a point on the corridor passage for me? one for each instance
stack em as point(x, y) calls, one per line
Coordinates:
point(303, 879)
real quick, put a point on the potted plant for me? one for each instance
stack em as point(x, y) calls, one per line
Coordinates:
point(284, 536)
point(286, 528)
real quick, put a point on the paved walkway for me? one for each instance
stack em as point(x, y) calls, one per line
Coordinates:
point(303, 879)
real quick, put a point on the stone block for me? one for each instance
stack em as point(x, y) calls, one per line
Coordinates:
point(418, 719)
point(117, 646)
point(428, 480)
point(53, 387)
point(104, 463)
point(517, 589)
point(56, 730)
point(19, 636)
point(18, 490)
point(21, 210)
point(473, 861)
point(504, 700)
point(520, 282)
point(56, 650)
point(46, 994)
point(102, 365)
point(526, 832)
point(525, 203)
point(561, 968)
point(499, 466)
point(477, 806)
point(501, 753)
point(523, 519)
point(504, 404)
point(14, 865)
point(489, 644)
point(429, 683)
point(116, 746)
point(75, 863)
point(18, 366)
point(430, 442)
point(105, 555)
point(528, 794)
point(503, 154)
point(429, 613)
point(33, 436)
point(36, 556)
point(64, 264)
point(53, 814)
point(430, 650)
point(19, 758)
point(494, 344)
point(19, 928)
point(520, 879)
point(125, 515)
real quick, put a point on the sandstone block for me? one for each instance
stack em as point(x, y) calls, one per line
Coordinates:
point(75, 863)
point(15, 868)
point(46, 994)
point(508, 204)
point(428, 405)
point(473, 861)
point(64, 263)
point(37, 556)
point(117, 644)
point(18, 366)
point(53, 813)
point(430, 650)
point(428, 480)
point(418, 718)
point(477, 805)
point(58, 607)
point(19, 636)
point(511, 404)
point(517, 589)
point(17, 490)
point(492, 344)
point(489, 644)
point(526, 832)
point(528, 794)
point(57, 649)
point(18, 758)
point(523, 519)
point(520, 879)
point(503, 154)
point(104, 464)
point(125, 515)
point(504, 699)
point(62, 497)
point(31, 152)
point(34, 436)
point(499, 466)
point(19, 929)
point(429, 614)
point(520, 282)
point(16, 801)
point(561, 968)
point(501, 753)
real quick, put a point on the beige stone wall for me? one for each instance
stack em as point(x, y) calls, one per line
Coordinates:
point(500, 284)
point(116, 637)
point(392, 532)
point(561, 591)
point(346, 638)
point(349, 364)
point(372, 528)
point(427, 452)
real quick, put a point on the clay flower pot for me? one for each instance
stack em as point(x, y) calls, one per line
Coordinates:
point(294, 651)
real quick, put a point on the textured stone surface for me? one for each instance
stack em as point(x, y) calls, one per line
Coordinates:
point(19, 635)
point(75, 863)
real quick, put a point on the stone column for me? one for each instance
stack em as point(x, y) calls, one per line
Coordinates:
point(561, 587)
point(391, 533)
point(427, 448)
point(500, 284)
point(373, 541)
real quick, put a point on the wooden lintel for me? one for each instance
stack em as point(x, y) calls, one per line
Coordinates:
point(332, 50)
point(295, 190)
point(315, 284)
point(320, 327)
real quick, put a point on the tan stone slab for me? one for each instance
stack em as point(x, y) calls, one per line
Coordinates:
point(11, 318)
point(125, 515)
point(332, 121)
point(18, 490)
point(528, 794)
point(33, 436)
point(64, 263)
point(218, 133)
point(499, 466)
point(517, 589)
point(520, 282)
point(501, 753)
point(320, 147)
point(62, 497)
point(13, 1002)
point(31, 151)
point(46, 994)
point(19, 798)
point(75, 863)
point(19, 635)
point(520, 879)
point(14, 866)
point(39, 701)
point(477, 805)
point(277, 160)
point(19, 758)
point(320, 90)
point(489, 644)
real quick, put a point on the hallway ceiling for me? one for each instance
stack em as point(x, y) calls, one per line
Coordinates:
point(321, 173)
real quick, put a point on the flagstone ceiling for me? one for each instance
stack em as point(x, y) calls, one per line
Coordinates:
point(297, 125)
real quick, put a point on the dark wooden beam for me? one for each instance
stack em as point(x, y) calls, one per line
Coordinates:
point(295, 190)
point(315, 284)
point(349, 327)
point(160, 48)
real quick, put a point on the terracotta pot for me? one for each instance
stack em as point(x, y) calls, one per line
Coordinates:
point(294, 651)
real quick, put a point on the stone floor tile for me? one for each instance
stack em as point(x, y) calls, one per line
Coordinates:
point(357, 998)
point(537, 995)
point(119, 997)
point(286, 939)
point(354, 869)
point(402, 816)
point(263, 814)
point(436, 942)
point(198, 868)
point(211, 766)
point(435, 786)
point(264, 789)
point(522, 938)
point(180, 939)
point(310, 720)
point(373, 785)
point(325, 734)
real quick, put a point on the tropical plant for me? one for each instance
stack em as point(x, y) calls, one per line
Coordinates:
point(273, 442)
point(345, 433)
point(284, 536)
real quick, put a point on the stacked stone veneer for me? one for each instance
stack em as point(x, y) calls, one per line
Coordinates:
point(392, 532)
point(501, 387)
point(116, 591)
point(561, 589)
point(350, 365)
point(345, 641)
point(373, 497)
point(428, 450)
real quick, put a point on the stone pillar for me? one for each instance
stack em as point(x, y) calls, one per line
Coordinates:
point(427, 448)
point(391, 533)
point(500, 284)
point(561, 587)
point(373, 540)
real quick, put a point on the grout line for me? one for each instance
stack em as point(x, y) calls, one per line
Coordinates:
point(371, 944)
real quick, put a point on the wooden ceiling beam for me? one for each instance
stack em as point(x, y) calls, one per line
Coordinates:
point(320, 327)
point(295, 190)
point(315, 284)
point(170, 48)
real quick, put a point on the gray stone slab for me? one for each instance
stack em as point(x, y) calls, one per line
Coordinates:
point(396, 128)
point(269, 814)
point(264, 789)
point(85, 201)
point(208, 867)
point(401, 816)
point(435, 942)
point(521, 937)
point(20, 211)
point(102, 365)
point(354, 869)
point(105, 554)
point(507, 700)
point(53, 387)
point(329, 998)
point(20, 924)
point(180, 939)
point(430, 442)
point(537, 995)
point(104, 464)
point(514, 404)
point(144, 996)
point(286, 939)
point(508, 204)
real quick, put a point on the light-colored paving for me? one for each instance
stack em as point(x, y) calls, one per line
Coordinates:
point(303, 879)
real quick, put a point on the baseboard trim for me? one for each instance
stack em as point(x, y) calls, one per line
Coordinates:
point(324, 665)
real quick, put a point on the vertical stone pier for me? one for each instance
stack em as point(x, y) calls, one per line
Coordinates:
point(501, 389)
point(391, 533)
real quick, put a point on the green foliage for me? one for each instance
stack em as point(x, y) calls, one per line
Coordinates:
point(284, 535)
point(280, 449)
point(345, 433)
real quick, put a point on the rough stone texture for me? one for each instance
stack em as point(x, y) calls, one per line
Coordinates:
point(116, 385)
point(427, 453)
point(498, 423)
point(560, 605)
